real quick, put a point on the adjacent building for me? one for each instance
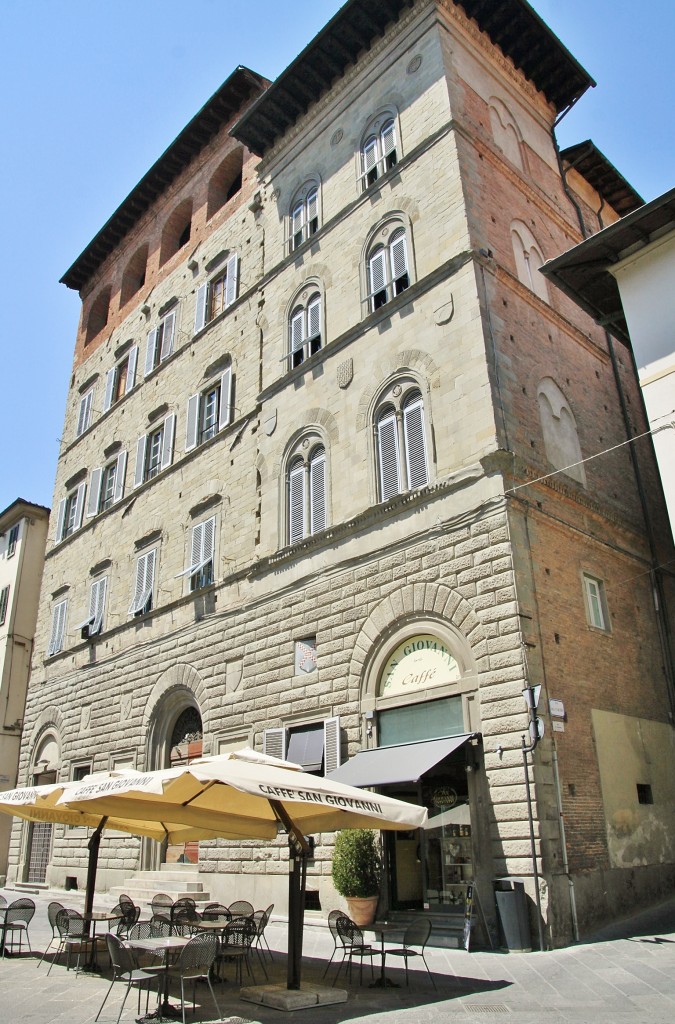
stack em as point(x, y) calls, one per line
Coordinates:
point(23, 535)
point(341, 476)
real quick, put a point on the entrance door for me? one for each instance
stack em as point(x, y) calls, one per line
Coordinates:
point(40, 840)
point(184, 853)
point(404, 859)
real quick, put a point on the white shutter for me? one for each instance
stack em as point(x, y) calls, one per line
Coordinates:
point(399, 257)
point(387, 438)
point(196, 555)
point(200, 308)
point(138, 586)
point(377, 270)
point(314, 318)
point(97, 605)
point(297, 221)
point(84, 415)
point(60, 519)
point(296, 503)
point(388, 136)
point(232, 279)
point(415, 447)
point(317, 492)
point(169, 325)
point(120, 474)
point(331, 745)
point(131, 368)
point(370, 154)
point(274, 743)
point(58, 629)
point(151, 351)
point(109, 387)
point(139, 472)
point(312, 208)
point(168, 436)
point(209, 540)
point(192, 422)
point(145, 576)
point(94, 492)
point(79, 506)
point(225, 411)
point(297, 330)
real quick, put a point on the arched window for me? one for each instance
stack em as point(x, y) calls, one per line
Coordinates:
point(304, 328)
point(505, 132)
point(388, 273)
point(304, 215)
point(306, 490)
point(558, 425)
point(134, 274)
point(98, 314)
point(225, 182)
point(528, 258)
point(177, 231)
point(400, 436)
point(378, 150)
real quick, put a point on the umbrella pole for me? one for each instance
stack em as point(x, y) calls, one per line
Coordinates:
point(92, 864)
point(297, 877)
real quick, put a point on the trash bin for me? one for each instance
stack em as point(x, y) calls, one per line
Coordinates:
point(514, 920)
point(71, 882)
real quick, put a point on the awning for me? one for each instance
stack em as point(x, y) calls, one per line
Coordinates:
point(404, 762)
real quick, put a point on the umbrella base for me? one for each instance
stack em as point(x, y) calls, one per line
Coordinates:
point(281, 998)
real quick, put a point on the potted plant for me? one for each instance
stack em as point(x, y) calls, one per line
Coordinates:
point(357, 868)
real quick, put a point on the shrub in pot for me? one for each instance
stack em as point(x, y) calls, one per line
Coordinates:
point(357, 869)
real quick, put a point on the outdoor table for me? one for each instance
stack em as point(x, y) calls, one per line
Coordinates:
point(91, 920)
point(383, 929)
point(219, 926)
point(164, 944)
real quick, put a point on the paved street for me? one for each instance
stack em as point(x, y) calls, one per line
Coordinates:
point(627, 973)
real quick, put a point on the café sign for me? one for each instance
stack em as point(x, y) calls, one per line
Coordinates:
point(418, 663)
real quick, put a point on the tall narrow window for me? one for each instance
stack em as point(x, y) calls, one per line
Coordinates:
point(401, 443)
point(304, 219)
point(154, 451)
point(84, 413)
point(202, 549)
point(93, 624)
point(218, 294)
point(4, 602)
point(596, 603)
point(388, 274)
point(106, 486)
point(378, 153)
point(160, 342)
point(306, 486)
point(69, 516)
point(58, 633)
point(209, 411)
point(144, 583)
point(305, 329)
point(121, 378)
point(13, 539)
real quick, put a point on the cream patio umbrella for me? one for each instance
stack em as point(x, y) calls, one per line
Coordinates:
point(247, 795)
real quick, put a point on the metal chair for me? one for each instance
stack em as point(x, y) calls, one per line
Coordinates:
point(161, 924)
point(126, 969)
point(185, 921)
point(193, 964)
point(3, 901)
point(52, 910)
point(259, 922)
point(416, 934)
point(241, 908)
point(238, 938)
point(72, 935)
point(338, 940)
point(18, 916)
point(161, 903)
point(355, 947)
point(212, 911)
point(184, 903)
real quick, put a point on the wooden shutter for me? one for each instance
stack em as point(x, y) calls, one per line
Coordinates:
point(314, 317)
point(312, 211)
point(84, 415)
point(399, 257)
point(331, 745)
point(131, 368)
point(139, 473)
point(110, 378)
point(200, 308)
point(296, 503)
point(151, 351)
point(60, 517)
point(297, 221)
point(196, 555)
point(232, 279)
point(94, 492)
point(377, 270)
point(297, 329)
point(317, 492)
point(415, 446)
point(388, 136)
point(58, 629)
point(97, 605)
point(209, 540)
point(79, 506)
point(145, 577)
point(369, 153)
point(192, 428)
point(169, 325)
point(4, 601)
point(274, 743)
point(168, 436)
point(120, 474)
point(225, 410)
point(387, 440)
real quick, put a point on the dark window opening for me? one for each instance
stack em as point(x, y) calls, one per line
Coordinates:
point(184, 236)
point(644, 793)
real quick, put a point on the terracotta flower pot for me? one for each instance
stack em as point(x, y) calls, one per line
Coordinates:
point(362, 911)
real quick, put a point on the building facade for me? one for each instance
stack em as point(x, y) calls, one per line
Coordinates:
point(325, 484)
point(23, 535)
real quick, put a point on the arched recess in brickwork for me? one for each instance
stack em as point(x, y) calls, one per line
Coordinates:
point(559, 427)
point(506, 132)
point(412, 360)
point(49, 723)
point(413, 610)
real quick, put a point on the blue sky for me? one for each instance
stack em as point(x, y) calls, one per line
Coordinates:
point(94, 91)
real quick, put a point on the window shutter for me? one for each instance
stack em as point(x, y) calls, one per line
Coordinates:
point(312, 208)
point(232, 279)
point(145, 576)
point(317, 492)
point(314, 318)
point(297, 329)
point(297, 220)
point(167, 440)
point(58, 629)
point(331, 745)
point(139, 472)
point(60, 519)
point(200, 308)
point(196, 555)
point(370, 153)
point(79, 506)
point(225, 411)
point(120, 474)
point(109, 388)
point(192, 422)
point(399, 257)
point(97, 605)
point(94, 492)
point(387, 436)
point(4, 601)
point(296, 503)
point(388, 136)
point(151, 351)
point(274, 743)
point(131, 368)
point(415, 447)
point(208, 540)
point(167, 336)
point(377, 271)
point(84, 415)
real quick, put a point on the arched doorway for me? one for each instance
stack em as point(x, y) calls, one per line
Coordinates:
point(39, 843)
point(185, 745)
